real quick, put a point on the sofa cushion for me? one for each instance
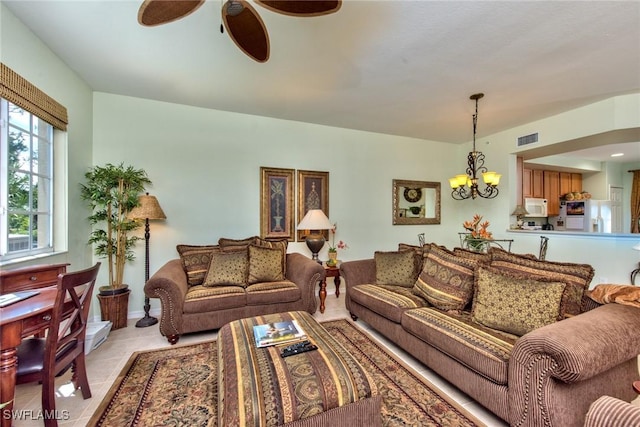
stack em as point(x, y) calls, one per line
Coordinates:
point(195, 261)
point(446, 280)
point(236, 244)
point(576, 276)
point(273, 293)
point(515, 304)
point(396, 268)
point(281, 244)
point(483, 257)
point(265, 264)
point(480, 348)
point(201, 299)
point(228, 269)
point(388, 301)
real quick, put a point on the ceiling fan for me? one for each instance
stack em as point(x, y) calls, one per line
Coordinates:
point(244, 25)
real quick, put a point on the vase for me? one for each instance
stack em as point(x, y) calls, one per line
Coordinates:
point(333, 259)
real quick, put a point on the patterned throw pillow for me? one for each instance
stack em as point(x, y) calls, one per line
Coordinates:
point(228, 268)
point(516, 304)
point(236, 244)
point(467, 253)
point(395, 268)
point(281, 244)
point(265, 264)
point(446, 280)
point(195, 261)
point(576, 276)
point(421, 253)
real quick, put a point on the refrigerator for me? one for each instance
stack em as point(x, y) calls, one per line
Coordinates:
point(589, 215)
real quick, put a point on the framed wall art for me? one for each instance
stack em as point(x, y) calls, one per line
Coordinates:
point(313, 193)
point(276, 203)
point(415, 202)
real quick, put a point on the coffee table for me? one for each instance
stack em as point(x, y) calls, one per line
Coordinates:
point(258, 387)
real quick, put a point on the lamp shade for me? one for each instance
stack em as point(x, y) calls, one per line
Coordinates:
point(315, 219)
point(148, 208)
point(519, 210)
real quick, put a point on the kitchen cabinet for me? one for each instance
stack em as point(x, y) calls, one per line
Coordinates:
point(576, 182)
point(552, 192)
point(532, 183)
point(570, 183)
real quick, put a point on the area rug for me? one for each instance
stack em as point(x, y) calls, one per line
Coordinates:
point(178, 386)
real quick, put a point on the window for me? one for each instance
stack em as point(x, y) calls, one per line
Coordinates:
point(26, 183)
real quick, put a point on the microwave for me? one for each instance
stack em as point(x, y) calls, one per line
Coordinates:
point(536, 208)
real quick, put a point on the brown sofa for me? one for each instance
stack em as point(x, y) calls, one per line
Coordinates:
point(209, 286)
point(545, 376)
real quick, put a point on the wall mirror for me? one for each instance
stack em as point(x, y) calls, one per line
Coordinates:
point(415, 202)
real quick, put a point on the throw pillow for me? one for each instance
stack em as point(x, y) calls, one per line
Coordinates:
point(467, 253)
point(446, 280)
point(228, 268)
point(515, 304)
point(265, 264)
point(195, 261)
point(236, 244)
point(281, 244)
point(576, 276)
point(395, 268)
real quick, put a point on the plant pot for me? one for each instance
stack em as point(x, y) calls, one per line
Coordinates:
point(115, 308)
point(333, 259)
point(108, 290)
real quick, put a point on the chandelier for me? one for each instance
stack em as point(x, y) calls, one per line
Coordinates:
point(465, 186)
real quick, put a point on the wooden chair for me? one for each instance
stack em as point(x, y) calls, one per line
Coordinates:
point(42, 359)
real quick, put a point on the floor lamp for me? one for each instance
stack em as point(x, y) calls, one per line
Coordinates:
point(148, 209)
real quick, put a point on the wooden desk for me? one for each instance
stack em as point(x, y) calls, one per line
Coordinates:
point(330, 272)
point(31, 277)
point(19, 320)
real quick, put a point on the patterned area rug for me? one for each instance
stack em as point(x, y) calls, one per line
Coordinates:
point(178, 387)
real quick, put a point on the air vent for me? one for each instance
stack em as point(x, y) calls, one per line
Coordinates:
point(527, 139)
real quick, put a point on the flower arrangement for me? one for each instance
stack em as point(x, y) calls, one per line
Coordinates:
point(478, 233)
point(341, 245)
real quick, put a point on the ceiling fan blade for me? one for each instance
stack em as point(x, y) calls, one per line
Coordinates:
point(156, 12)
point(246, 29)
point(302, 7)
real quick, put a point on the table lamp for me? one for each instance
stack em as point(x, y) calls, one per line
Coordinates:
point(519, 212)
point(314, 221)
point(148, 208)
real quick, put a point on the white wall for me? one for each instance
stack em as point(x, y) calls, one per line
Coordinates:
point(23, 52)
point(205, 168)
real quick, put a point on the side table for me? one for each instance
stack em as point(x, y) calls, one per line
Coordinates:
point(330, 272)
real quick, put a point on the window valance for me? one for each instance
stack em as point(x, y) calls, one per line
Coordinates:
point(16, 89)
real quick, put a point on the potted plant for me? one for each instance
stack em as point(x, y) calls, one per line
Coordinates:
point(112, 192)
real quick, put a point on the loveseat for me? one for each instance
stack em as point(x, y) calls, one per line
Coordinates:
point(519, 335)
point(210, 285)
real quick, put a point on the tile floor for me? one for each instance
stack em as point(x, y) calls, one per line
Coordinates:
point(105, 363)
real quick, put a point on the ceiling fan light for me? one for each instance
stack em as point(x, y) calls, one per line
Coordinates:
point(234, 7)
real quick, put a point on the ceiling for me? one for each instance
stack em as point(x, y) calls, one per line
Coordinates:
point(394, 67)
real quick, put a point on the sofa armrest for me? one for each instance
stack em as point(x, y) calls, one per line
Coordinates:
point(608, 411)
point(357, 273)
point(169, 284)
point(305, 273)
point(572, 362)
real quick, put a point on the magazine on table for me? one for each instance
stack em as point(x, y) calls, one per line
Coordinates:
point(278, 333)
point(8, 299)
